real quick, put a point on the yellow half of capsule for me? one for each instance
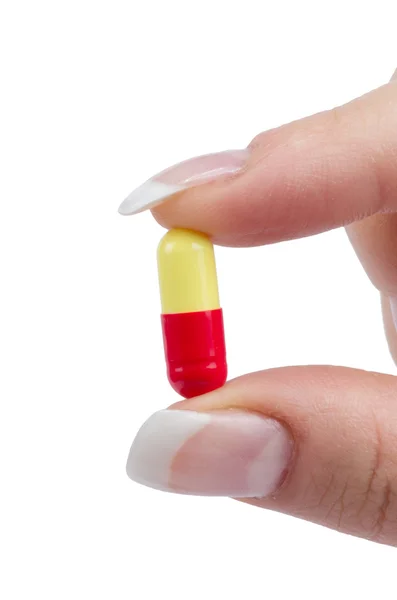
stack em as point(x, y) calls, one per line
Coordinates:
point(187, 272)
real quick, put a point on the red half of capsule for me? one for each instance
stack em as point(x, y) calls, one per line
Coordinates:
point(195, 351)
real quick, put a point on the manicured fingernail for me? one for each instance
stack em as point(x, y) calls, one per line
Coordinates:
point(221, 453)
point(189, 173)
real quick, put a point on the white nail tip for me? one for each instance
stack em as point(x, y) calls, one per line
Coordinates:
point(157, 443)
point(147, 196)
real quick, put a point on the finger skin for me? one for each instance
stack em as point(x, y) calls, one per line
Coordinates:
point(309, 176)
point(344, 425)
point(375, 242)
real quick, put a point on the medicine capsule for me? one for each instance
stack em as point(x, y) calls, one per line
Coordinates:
point(192, 320)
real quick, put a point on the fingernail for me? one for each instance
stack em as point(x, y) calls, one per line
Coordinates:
point(221, 453)
point(189, 173)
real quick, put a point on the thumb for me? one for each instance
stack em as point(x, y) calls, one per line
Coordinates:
point(319, 443)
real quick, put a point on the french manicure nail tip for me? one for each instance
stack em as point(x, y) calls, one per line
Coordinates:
point(147, 196)
point(156, 443)
point(222, 453)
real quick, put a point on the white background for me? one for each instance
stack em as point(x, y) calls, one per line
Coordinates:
point(95, 97)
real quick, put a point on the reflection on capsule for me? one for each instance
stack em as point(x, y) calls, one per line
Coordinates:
point(192, 320)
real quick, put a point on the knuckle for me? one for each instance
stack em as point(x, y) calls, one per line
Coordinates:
point(378, 511)
point(375, 508)
point(385, 515)
point(360, 498)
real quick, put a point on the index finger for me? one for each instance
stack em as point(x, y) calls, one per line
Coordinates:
point(306, 177)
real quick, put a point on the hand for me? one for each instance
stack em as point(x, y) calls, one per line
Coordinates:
point(296, 440)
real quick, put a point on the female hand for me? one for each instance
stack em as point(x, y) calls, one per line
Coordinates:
point(316, 442)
